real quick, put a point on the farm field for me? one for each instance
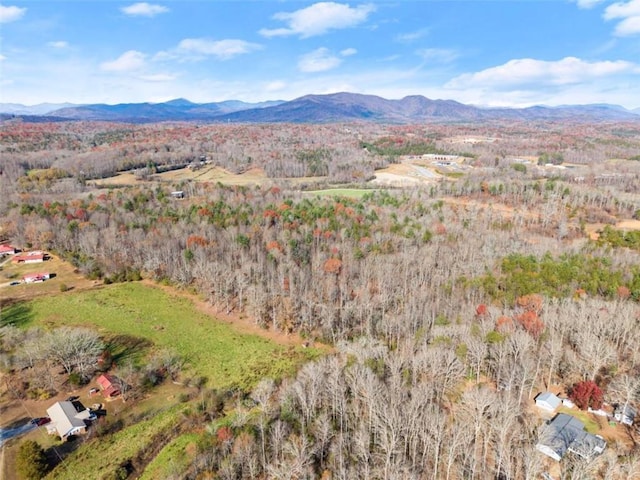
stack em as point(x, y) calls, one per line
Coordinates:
point(341, 192)
point(224, 355)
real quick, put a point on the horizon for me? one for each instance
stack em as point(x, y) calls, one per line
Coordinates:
point(633, 110)
point(112, 52)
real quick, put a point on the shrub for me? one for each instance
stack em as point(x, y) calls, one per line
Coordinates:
point(31, 462)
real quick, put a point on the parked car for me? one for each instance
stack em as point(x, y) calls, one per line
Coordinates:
point(40, 421)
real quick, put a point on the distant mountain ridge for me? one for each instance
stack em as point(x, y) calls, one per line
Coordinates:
point(336, 107)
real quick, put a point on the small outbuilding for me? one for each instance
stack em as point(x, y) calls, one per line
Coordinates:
point(548, 401)
point(625, 414)
point(109, 385)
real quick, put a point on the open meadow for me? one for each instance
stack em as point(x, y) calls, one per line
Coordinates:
point(227, 357)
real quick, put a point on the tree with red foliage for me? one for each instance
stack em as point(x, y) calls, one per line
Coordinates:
point(586, 394)
point(531, 322)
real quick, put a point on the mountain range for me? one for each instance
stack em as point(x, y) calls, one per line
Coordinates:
point(337, 107)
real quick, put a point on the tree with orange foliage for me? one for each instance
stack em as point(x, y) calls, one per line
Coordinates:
point(532, 324)
point(333, 265)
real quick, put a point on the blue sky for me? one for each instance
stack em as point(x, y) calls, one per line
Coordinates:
point(501, 53)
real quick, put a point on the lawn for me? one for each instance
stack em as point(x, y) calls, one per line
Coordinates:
point(590, 425)
point(227, 357)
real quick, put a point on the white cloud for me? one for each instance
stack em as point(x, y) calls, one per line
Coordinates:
point(347, 52)
point(2, 57)
point(412, 36)
point(131, 60)
point(144, 9)
point(58, 44)
point(158, 77)
point(629, 15)
point(319, 18)
point(319, 60)
point(275, 86)
point(221, 49)
point(11, 14)
point(587, 4)
point(438, 55)
point(530, 72)
point(622, 10)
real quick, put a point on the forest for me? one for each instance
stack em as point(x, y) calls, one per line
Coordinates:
point(445, 305)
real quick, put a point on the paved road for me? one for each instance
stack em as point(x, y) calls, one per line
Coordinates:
point(8, 433)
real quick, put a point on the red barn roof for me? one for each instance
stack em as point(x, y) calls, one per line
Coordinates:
point(107, 386)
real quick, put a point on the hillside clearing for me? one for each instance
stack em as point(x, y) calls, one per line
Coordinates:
point(225, 356)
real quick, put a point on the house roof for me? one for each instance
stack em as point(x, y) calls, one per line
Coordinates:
point(105, 380)
point(67, 417)
point(586, 445)
point(565, 433)
point(629, 411)
point(29, 258)
point(6, 248)
point(548, 399)
point(560, 433)
point(35, 275)
point(108, 386)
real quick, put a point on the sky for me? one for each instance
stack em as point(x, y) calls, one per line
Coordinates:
point(510, 53)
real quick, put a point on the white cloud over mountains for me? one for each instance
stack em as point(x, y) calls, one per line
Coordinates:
point(318, 19)
point(129, 61)
point(321, 60)
point(221, 49)
point(528, 72)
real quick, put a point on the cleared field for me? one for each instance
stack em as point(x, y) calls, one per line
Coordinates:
point(173, 458)
point(216, 350)
point(254, 176)
point(119, 448)
point(342, 192)
point(62, 273)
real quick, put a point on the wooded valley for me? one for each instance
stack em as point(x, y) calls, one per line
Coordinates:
point(443, 303)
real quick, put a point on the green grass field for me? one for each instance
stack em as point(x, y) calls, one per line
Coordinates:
point(173, 459)
point(97, 459)
point(342, 192)
point(216, 350)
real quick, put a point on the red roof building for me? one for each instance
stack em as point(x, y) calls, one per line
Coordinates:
point(108, 385)
point(36, 277)
point(7, 250)
point(25, 258)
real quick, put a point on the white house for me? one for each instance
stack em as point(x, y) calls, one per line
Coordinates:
point(67, 418)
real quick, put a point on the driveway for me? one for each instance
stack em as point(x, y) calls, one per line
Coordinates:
point(8, 433)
